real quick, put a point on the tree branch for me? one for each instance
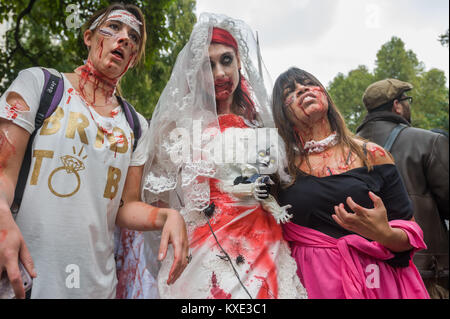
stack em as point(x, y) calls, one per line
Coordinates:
point(26, 11)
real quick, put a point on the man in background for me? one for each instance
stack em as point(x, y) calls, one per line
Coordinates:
point(422, 159)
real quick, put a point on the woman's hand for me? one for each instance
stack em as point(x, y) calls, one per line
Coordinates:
point(371, 223)
point(174, 232)
point(13, 249)
point(13, 143)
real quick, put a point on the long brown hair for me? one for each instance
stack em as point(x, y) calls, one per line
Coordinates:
point(283, 122)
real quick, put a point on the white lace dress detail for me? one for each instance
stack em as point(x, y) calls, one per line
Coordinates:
point(179, 174)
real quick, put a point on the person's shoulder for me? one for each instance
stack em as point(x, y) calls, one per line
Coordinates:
point(376, 154)
point(31, 79)
point(440, 131)
point(421, 137)
point(34, 71)
point(142, 120)
point(417, 131)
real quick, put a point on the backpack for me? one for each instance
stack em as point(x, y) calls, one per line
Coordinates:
point(393, 136)
point(50, 98)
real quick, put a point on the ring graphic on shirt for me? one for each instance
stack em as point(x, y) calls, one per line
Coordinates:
point(71, 165)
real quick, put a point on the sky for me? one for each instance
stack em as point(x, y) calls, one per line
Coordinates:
point(327, 37)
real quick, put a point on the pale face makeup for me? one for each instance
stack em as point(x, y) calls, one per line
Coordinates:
point(113, 48)
point(225, 68)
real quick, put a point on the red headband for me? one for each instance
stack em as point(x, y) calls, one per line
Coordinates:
point(222, 36)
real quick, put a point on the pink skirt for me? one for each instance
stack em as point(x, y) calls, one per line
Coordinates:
point(352, 267)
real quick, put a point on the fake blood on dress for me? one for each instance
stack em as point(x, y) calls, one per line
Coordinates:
point(249, 235)
point(216, 291)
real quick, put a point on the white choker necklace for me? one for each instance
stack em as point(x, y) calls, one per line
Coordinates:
point(320, 146)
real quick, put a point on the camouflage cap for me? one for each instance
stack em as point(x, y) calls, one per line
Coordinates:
point(384, 91)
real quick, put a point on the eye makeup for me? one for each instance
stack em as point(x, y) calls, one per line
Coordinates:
point(112, 30)
point(226, 59)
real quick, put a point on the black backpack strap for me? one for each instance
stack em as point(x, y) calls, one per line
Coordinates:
point(132, 119)
point(50, 98)
point(393, 136)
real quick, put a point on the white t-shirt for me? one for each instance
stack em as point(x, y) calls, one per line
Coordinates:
point(73, 191)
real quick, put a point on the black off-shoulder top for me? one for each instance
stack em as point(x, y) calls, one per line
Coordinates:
point(313, 198)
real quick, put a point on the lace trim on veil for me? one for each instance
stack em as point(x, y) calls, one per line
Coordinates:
point(189, 96)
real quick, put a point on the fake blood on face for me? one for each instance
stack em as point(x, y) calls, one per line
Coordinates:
point(128, 64)
point(315, 96)
point(223, 88)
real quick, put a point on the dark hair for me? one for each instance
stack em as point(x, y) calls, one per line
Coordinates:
point(382, 108)
point(242, 103)
point(389, 105)
point(283, 122)
point(120, 6)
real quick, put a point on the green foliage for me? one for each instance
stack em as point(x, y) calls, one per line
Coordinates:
point(347, 92)
point(430, 107)
point(443, 38)
point(43, 39)
point(144, 93)
point(431, 104)
point(393, 61)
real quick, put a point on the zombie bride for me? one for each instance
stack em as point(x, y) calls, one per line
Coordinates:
point(212, 152)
